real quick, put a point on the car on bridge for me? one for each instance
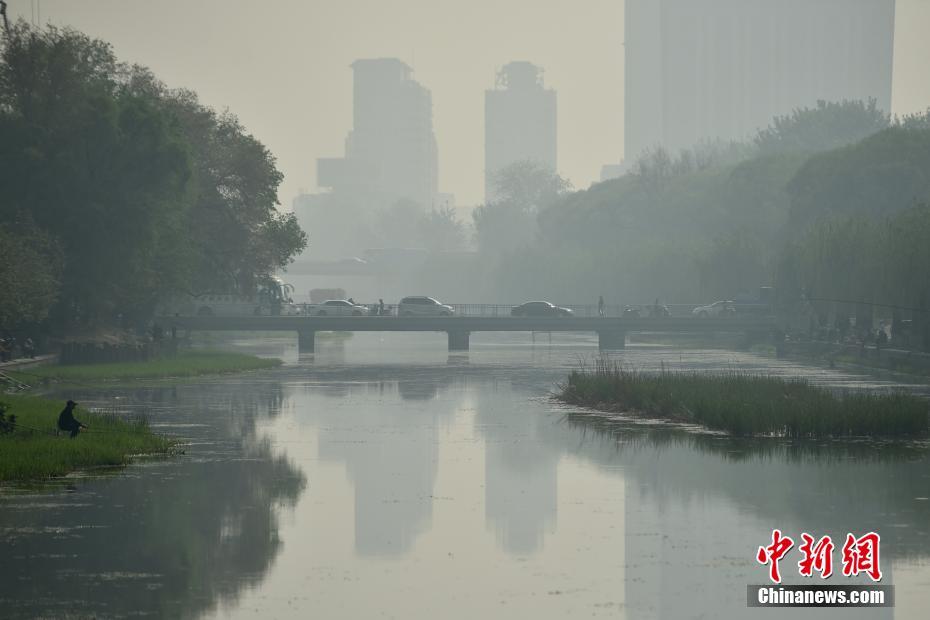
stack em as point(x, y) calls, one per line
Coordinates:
point(716, 309)
point(423, 306)
point(337, 307)
point(539, 308)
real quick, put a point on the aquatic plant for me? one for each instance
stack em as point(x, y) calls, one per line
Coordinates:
point(746, 404)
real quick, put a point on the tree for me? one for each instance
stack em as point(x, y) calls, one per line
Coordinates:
point(522, 190)
point(29, 272)
point(441, 230)
point(240, 236)
point(883, 173)
point(827, 126)
point(733, 264)
point(528, 185)
point(146, 191)
point(101, 170)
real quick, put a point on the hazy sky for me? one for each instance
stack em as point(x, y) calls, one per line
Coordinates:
point(283, 67)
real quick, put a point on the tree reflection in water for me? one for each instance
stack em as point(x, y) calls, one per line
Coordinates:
point(680, 483)
point(168, 538)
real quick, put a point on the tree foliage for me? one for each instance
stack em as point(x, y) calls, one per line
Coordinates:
point(142, 190)
point(102, 171)
point(855, 261)
point(441, 230)
point(522, 190)
point(692, 228)
point(883, 173)
point(240, 234)
point(827, 126)
point(405, 224)
point(29, 276)
point(732, 264)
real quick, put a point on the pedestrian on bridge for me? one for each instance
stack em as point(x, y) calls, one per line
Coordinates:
point(600, 306)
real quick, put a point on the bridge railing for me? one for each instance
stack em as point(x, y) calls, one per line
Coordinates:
point(579, 310)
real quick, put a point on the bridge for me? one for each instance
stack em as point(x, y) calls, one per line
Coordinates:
point(611, 331)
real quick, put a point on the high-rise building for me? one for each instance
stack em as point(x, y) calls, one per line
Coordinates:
point(722, 69)
point(390, 157)
point(519, 121)
point(390, 152)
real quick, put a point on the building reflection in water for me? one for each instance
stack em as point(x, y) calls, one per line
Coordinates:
point(393, 470)
point(390, 453)
point(521, 468)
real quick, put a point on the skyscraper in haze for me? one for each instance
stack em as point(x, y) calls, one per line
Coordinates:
point(519, 121)
point(390, 156)
point(390, 153)
point(707, 69)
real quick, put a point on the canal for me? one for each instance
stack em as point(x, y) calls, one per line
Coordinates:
point(385, 477)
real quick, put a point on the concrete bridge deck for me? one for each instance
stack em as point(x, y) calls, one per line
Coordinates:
point(611, 331)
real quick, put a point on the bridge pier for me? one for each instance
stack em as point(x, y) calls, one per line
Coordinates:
point(306, 341)
point(458, 341)
point(611, 340)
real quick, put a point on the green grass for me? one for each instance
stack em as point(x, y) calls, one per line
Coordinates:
point(33, 452)
point(185, 364)
point(748, 405)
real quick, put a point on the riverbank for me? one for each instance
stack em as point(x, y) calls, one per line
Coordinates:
point(184, 364)
point(747, 405)
point(33, 451)
point(866, 356)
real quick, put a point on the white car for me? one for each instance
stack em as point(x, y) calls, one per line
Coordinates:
point(423, 306)
point(716, 309)
point(337, 307)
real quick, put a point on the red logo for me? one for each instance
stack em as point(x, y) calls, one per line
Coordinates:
point(817, 557)
point(860, 555)
point(773, 553)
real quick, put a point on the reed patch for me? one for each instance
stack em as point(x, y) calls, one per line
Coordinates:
point(745, 404)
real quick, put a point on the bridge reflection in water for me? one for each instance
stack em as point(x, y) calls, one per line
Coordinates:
point(611, 331)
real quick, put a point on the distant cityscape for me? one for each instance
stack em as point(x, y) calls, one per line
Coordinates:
point(696, 72)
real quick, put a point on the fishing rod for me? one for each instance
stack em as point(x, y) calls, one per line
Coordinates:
point(16, 383)
point(84, 429)
point(55, 379)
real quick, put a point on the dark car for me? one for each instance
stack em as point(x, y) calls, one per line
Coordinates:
point(539, 308)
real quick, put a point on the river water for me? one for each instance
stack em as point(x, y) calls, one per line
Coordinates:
point(383, 477)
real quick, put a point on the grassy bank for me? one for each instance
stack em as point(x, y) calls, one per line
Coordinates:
point(746, 405)
point(32, 451)
point(185, 364)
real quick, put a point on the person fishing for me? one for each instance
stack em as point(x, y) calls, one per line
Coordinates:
point(66, 421)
